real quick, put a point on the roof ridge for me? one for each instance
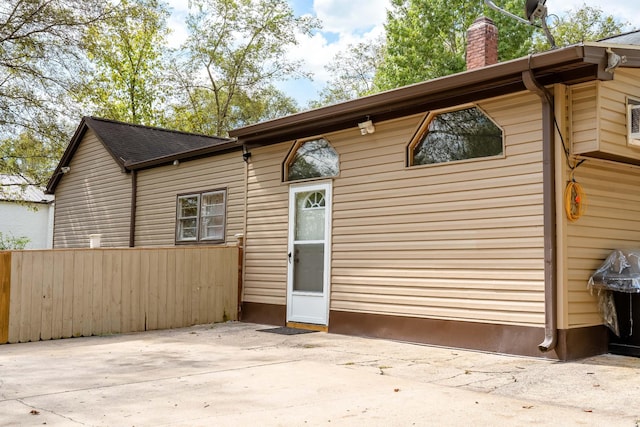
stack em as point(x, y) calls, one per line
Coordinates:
point(118, 122)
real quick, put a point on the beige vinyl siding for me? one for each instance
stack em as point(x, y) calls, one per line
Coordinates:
point(457, 241)
point(584, 118)
point(610, 222)
point(93, 198)
point(613, 112)
point(599, 115)
point(265, 279)
point(158, 189)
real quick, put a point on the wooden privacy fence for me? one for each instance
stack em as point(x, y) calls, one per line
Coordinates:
point(52, 294)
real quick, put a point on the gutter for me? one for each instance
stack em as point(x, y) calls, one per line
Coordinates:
point(134, 197)
point(569, 65)
point(231, 145)
point(549, 196)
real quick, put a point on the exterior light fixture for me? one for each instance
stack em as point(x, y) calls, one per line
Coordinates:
point(246, 154)
point(366, 127)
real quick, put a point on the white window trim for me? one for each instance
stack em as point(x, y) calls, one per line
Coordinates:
point(180, 218)
point(199, 239)
point(202, 216)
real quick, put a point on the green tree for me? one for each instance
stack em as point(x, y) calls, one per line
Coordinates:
point(40, 60)
point(31, 155)
point(234, 55)
point(10, 242)
point(427, 39)
point(313, 159)
point(580, 25)
point(126, 52)
point(354, 70)
point(266, 103)
point(458, 135)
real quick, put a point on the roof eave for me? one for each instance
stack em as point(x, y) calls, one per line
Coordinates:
point(231, 145)
point(570, 64)
point(66, 157)
point(82, 128)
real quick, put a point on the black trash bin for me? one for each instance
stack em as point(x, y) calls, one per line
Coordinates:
point(617, 283)
point(628, 313)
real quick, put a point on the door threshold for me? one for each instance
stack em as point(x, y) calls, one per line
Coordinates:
point(308, 326)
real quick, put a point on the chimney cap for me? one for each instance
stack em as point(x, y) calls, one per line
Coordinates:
point(483, 19)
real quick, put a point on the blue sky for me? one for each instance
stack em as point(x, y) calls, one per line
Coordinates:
point(343, 23)
point(352, 21)
point(302, 7)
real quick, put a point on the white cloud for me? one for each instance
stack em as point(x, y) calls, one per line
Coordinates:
point(343, 24)
point(179, 11)
point(625, 11)
point(315, 52)
point(322, 52)
point(348, 17)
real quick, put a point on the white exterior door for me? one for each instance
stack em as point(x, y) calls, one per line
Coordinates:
point(309, 253)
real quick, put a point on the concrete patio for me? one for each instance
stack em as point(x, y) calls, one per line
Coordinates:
point(234, 374)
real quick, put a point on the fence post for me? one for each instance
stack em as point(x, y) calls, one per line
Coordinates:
point(240, 238)
point(5, 293)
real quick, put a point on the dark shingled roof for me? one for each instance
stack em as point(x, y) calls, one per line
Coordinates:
point(137, 147)
point(131, 144)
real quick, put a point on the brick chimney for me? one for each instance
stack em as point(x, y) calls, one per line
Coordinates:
point(482, 43)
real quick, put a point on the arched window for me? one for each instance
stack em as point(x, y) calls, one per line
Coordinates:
point(456, 135)
point(314, 200)
point(315, 158)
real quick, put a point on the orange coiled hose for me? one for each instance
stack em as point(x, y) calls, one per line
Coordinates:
point(575, 200)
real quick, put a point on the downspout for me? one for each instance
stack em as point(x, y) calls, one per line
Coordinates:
point(549, 210)
point(134, 196)
point(246, 156)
